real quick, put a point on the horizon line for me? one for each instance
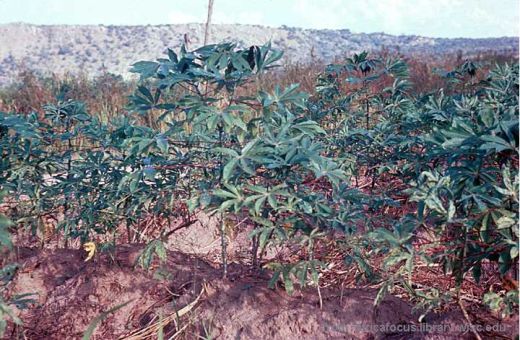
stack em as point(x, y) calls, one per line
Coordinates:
point(266, 26)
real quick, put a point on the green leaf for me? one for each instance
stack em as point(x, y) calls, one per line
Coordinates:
point(149, 172)
point(264, 237)
point(505, 222)
point(145, 92)
point(492, 300)
point(259, 205)
point(274, 279)
point(504, 262)
point(383, 292)
point(146, 69)
point(100, 318)
point(451, 211)
point(162, 143)
point(134, 181)
point(287, 281)
point(227, 151)
point(229, 168)
point(494, 142)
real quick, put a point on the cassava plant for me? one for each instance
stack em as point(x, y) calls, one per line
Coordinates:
point(380, 172)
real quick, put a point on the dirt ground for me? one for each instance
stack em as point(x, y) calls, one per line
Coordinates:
point(193, 302)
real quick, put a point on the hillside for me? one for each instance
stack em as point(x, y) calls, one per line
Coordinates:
point(92, 49)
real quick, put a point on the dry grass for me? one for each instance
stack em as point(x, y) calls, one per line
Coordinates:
point(106, 96)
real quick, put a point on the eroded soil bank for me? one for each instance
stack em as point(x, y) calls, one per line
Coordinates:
point(72, 292)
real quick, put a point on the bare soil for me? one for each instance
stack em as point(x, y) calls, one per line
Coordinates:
point(72, 292)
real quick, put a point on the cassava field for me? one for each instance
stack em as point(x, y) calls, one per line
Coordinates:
point(224, 195)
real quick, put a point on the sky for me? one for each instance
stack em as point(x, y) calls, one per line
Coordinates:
point(434, 18)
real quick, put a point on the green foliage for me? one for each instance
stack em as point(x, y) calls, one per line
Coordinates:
point(20, 301)
point(455, 156)
point(7, 273)
point(98, 319)
point(299, 169)
point(505, 304)
point(155, 247)
point(5, 223)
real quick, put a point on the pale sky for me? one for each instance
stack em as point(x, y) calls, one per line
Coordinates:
point(435, 18)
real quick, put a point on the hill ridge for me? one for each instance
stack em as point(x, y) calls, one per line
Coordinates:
point(92, 49)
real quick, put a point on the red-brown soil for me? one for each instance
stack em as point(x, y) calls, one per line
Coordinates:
point(72, 292)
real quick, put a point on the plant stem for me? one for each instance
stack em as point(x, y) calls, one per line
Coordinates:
point(223, 243)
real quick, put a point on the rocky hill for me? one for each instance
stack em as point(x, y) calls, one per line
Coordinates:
point(93, 49)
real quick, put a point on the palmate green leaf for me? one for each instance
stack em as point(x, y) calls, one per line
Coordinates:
point(232, 195)
point(249, 146)
point(492, 300)
point(273, 57)
point(134, 180)
point(453, 142)
point(262, 221)
point(160, 250)
point(433, 202)
point(240, 63)
point(5, 236)
point(301, 272)
point(162, 143)
point(227, 151)
point(496, 143)
point(274, 279)
point(147, 94)
point(173, 56)
point(287, 280)
point(506, 222)
point(245, 165)
point(264, 236)
point(383, 291)
point(281, 234)
point(395, 258)
point(309, 127)
point(258, 200)
point(145, 69)
point(382, 234)
point(231, 121)
point(149, 172)
point(272, 201)
point(228, 204)
point(363, 265)
point(224, 194)
point(229, 168)
point(289, 95)
point(504, 262)
point(154, 247)
point(259, 203)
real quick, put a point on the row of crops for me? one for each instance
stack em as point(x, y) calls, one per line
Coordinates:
point(398, 181)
